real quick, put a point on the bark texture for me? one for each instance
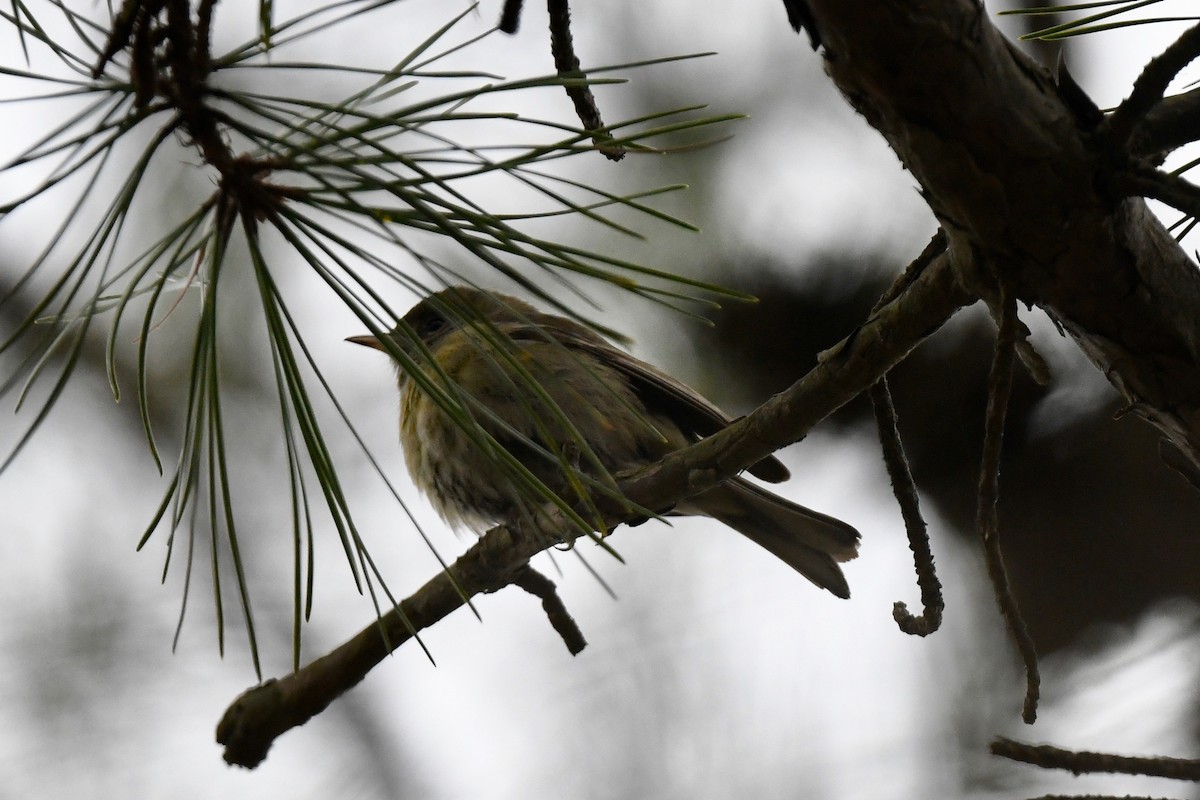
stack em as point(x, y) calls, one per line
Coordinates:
point(1024, 185)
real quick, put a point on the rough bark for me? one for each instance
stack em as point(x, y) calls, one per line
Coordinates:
point(1025, 191)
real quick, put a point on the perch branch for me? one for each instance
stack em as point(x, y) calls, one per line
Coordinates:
point(261, 714)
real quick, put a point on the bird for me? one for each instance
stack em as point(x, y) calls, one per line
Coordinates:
point(573, 410)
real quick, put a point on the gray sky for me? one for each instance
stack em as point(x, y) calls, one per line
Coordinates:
point(716, 673)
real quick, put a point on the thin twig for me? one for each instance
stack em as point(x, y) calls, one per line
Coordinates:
point(1081, 761)
point(1031, 359)
point(123, 25)
point(987, 518)
point(510, 17)
point(562, 47)
point(204, 14)
point(1096, 797)
point(561, 620)
point(143, 72)
point(935, 247)
point(1036, 366)
point(905, 489)
point(1143, 181)
point(1170, 125)
point(903, 485)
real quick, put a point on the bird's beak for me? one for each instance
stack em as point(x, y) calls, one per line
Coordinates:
point(367, 341)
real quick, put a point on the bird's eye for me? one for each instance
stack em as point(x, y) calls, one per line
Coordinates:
point(433, 325)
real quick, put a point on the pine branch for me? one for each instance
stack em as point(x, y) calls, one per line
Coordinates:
point(260, 715)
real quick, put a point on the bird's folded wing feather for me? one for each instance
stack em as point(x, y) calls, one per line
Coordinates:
point(694, 414)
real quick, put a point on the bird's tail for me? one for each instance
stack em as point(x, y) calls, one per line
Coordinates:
point(808, 541)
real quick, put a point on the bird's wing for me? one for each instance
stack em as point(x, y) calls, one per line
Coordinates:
point(695, 415)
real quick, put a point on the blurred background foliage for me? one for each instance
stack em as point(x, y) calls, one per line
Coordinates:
point(712, 675)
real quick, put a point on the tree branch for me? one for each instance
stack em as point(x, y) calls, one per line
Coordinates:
point(1169, 125)
point(544, 589)
point(1151, 85)
point(1173, 190)
point(900, 475)
point(987, 520)
point(905, 489)
point(1022, 192)
point(261, 714)
point(1082, 761)
point(562, 47)
point(1096, 797)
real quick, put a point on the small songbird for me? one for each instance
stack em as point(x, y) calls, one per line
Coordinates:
point(573, 410)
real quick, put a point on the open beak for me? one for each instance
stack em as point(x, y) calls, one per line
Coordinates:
point(367, 341)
